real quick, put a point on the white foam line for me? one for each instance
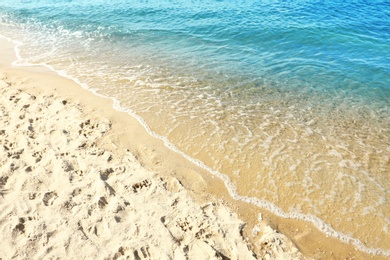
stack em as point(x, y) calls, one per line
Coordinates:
point(320, 224)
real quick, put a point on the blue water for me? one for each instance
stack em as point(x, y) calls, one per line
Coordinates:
point(289, 99)
point(324, 46)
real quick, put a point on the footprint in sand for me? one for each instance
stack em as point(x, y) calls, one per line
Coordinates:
point(142, 253)
point(102, 202)
point(3, 182)
point(20, 227)
point(58, 140)
point(143, 185)
point(131, 253)
point(105, 174)
point(49, 198)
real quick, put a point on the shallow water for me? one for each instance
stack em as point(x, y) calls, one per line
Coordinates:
point(289, 100)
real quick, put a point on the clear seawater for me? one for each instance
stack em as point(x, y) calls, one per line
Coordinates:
point(288, 101)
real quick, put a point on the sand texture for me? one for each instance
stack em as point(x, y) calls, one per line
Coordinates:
point(63, 195)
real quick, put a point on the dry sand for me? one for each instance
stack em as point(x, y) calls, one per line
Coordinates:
point(80, 180)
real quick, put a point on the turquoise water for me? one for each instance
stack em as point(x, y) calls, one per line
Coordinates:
point(289, 101)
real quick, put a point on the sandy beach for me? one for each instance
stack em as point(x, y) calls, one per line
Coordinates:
point(70, 190)
point(80, 180)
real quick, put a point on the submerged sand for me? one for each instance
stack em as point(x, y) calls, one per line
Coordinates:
point(80, 180)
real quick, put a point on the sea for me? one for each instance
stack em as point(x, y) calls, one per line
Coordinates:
point(288, 102)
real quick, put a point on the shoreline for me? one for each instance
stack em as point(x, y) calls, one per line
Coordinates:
point(202, 186)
